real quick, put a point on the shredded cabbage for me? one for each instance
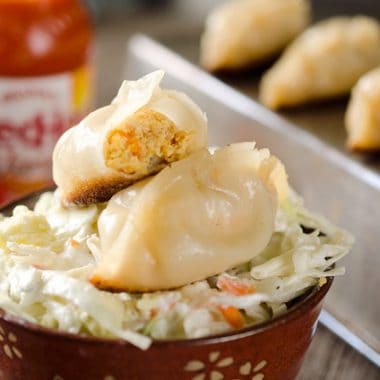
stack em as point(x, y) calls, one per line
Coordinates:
point(47, 254)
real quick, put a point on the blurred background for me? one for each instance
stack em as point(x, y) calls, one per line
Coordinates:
point(116, 20)
point(110, 8)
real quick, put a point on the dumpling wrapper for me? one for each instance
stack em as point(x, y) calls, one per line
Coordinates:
point(243, 33)
point(143, 130)
point(363, 114)
point(196, 218)
point(324, 62)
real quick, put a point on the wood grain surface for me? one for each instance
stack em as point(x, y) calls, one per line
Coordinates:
point(329, 358)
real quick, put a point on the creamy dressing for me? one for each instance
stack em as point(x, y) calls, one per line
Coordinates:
point(46, 280)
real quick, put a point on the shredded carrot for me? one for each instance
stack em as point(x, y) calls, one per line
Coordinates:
point(74, 243)
point(237, 288)
point(39, 266)
point(233, 316)
point(131, 141)
point(135, 147)
point(153, 312)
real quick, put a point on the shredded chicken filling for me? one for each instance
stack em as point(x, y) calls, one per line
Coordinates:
point(147, 141)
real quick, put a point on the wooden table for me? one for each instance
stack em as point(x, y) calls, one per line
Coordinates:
point(328, 358)
point(331, 359)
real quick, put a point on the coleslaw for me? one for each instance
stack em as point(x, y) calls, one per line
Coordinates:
point(47, 254)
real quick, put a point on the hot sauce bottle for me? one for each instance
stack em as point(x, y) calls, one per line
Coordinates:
point(45, 86)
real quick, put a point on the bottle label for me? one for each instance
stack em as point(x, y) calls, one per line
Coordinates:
point(34, 112)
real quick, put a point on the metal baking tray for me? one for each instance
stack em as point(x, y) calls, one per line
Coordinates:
point(346, 191)
point(324, 120)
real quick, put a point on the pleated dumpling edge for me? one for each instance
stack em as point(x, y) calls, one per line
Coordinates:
point(324, 62)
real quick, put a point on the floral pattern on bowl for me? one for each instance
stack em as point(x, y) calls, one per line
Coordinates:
point(216, 365)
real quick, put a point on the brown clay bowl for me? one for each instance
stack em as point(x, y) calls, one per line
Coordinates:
point(272, 351)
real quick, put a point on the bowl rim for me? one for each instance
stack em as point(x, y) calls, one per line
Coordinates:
point(312, 299)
